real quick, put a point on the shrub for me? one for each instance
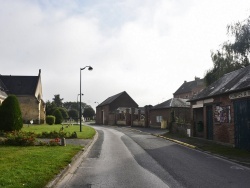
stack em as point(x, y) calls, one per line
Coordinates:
point(55, 134)
point(55, 142)
point(18, 138)
point(50, 119)
point(10, 114)
point(58, 116)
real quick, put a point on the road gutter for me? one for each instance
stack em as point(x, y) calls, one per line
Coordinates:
point(68, 171)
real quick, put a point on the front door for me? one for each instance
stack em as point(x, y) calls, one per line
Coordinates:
point(102, 117)
point(242, 124)
point(209, 116)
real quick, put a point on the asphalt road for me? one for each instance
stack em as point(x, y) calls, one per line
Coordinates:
point(123, 157)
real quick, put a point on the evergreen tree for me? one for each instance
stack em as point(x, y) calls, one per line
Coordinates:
point(10, 114)
point(57, 100)
point(50, 107)
point(58, 116)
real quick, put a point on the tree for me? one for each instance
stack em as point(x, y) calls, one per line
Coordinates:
point(10, 115)
point(88, 112)
point(241, 45)
point(58, 116)
point(57, 100)
point(63, 112)
point(50, 107)
point(73, 105)
point(73, 114)
point(232, 55)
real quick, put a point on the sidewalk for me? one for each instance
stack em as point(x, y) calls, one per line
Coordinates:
point(218, 149)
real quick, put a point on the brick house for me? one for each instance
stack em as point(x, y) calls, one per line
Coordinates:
point(221, 112)
point(105, 111)
point(189, 89)
point(173, 108)
point(28, 90)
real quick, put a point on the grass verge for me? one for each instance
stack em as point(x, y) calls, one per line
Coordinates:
point(229, 152)
point(33, 166)
point(87, 132)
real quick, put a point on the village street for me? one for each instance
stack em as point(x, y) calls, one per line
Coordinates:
point(122, 157)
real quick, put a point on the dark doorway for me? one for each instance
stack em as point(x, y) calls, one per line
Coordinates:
point(209, 116)
point(242, 124)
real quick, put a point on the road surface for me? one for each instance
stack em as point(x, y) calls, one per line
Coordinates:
point(122, 157)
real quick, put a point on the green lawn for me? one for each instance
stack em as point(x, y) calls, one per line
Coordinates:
point(87, 132)
point(33, 166)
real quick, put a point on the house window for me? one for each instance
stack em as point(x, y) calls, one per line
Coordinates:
point(158, 119)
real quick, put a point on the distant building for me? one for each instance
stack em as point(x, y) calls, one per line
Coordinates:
point(189, 89)
point(176, 108)
point(28, 90)
point(105, 112)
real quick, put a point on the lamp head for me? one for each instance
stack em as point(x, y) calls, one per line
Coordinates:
point(89, 68)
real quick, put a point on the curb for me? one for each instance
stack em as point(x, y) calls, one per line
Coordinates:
point(75, 161)
point(176, 141)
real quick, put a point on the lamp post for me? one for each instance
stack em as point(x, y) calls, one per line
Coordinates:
point(89, 68)
point(78, 106)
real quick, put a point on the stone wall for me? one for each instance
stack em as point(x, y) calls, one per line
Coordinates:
point(138, 123)
point(31, 109)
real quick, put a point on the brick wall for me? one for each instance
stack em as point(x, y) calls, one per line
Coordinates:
point(165, 113)
point(224, 132)
point(180, 114)
point(99, 115)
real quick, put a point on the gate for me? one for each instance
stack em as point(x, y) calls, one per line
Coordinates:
point(210, 130)
point(242, 124)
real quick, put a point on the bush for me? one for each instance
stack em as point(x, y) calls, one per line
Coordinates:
point(55, 134)
point(10, 114)
point(50, 119)
point(58, 116)
point(18, 138)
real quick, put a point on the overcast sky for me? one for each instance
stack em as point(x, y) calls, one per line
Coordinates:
point(144, 47)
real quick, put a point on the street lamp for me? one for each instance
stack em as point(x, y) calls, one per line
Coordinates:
point(78, 106)
point(89, 68)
